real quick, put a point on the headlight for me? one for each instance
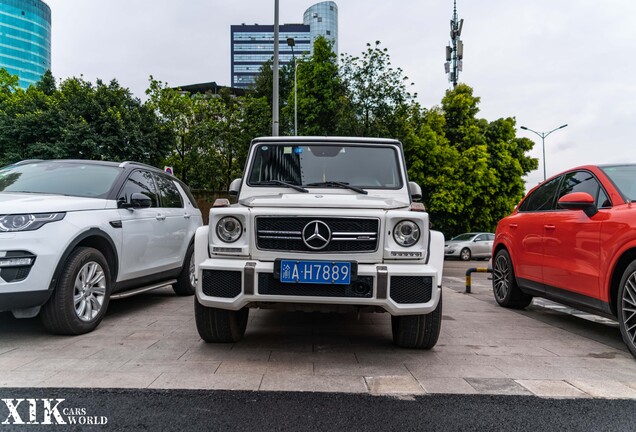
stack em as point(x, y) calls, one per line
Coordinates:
point(406, 233)
point(27, 222)
point(229, 229)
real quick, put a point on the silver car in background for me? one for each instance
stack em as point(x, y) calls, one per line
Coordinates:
point(469, 245)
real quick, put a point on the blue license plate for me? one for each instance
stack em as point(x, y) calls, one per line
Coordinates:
point(315, 272)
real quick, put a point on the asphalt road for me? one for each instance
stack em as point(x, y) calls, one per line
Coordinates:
point(139, 410)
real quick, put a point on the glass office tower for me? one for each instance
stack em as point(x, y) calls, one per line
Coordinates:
point(322, 19)
point(25, 39)
point(253, 45)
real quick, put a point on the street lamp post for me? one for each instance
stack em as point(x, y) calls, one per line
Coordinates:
point(275, 107)
point(543, 135)
point(292, 43)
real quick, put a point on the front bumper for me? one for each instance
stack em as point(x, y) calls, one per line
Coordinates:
point(452, 251)
point(27, 286)
point(399, 288)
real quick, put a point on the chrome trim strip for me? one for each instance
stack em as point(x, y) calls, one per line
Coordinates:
point(248, 278)
point(131, 293)
point(382, 284)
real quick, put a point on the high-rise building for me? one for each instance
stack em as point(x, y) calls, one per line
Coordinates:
point(253, 45)
point(25, 39)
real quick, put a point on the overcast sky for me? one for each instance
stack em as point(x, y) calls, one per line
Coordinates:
point(544, 62)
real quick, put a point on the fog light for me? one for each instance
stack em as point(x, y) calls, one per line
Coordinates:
point(16, 262)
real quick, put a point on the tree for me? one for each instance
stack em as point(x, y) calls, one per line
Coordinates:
point(321, 93)
point(490, 165)
point(263, 87)
point(213, 132)
point(177, 111)
point(79, 120)
point(377, 93)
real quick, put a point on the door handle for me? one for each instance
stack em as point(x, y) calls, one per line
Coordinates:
point(513, 225)
point(186, 215)
point(161, 217)
point(549, 227)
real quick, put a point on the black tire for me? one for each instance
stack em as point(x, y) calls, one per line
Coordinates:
point(62, 314)
point(626, 307)
point(220, 325)
point(504, 283)
point(186, 283)
point(417, 331)
point(465, 254)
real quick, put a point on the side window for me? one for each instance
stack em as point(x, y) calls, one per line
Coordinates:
point(142, 182)
point(191, 198)
point(542, 199)
point(170, 196)
point(584, 181)
point(603, 200)
point(491, 237)
point(481, 237)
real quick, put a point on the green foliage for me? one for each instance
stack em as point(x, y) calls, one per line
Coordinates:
point(263, 87)
point(78, 120)
point(376, 93)
point(320, 92)
point(212, 132)
point(484, 164)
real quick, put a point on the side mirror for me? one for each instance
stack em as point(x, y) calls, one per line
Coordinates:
point(139, 200)
point(235, 187)
point(579, 201)
point(416, 191)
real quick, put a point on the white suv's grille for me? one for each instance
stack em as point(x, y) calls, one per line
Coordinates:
point(335, 234)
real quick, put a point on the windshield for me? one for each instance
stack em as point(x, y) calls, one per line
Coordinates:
point(624, 178)
point(366, 167)
point(464, 237)
point(59, 178)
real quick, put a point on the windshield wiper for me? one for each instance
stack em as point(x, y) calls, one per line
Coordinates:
point(339, 184)
point(282, 183)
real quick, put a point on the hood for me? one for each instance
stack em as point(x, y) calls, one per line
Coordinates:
point(324, 200)
point(15, 203)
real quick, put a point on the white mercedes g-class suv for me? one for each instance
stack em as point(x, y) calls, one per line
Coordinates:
point(321, 224)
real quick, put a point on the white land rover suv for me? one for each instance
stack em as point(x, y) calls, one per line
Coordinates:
point(321, 224)
point(75, 234)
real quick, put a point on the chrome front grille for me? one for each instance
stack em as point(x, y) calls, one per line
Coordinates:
point(347, 234)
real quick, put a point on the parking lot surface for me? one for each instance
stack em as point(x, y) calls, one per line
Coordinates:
point(150, 341)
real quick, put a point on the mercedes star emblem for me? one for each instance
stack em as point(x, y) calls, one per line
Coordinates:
point(316, 235)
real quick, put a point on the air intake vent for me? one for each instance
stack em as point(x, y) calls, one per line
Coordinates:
point(411, 289)
point(221, 283)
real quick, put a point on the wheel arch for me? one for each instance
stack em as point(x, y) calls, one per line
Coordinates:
point(621, 264)
point(96, 239)
point(498, 247)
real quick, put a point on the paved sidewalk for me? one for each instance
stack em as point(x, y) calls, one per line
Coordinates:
point(150, 341)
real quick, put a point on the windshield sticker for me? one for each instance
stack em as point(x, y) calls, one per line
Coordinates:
point(298, 150)
point(287, 150)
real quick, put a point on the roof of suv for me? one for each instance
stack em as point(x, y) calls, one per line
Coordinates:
point(125, 164)
point(326, 140)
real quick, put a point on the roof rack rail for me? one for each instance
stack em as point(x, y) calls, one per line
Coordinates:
point(26, 161)
point(127, 163)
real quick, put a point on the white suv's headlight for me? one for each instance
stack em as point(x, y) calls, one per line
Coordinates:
point(229, 229)
point(406, 233)
point(27, 222)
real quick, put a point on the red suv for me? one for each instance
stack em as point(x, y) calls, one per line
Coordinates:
point(572, 239)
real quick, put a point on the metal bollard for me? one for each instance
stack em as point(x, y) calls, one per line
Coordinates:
point(475, 269)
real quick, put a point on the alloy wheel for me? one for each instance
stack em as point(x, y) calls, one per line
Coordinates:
point(501, 277)
point(629, 308)
point(465, 254)
point(90, 291)
point(193, 274)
